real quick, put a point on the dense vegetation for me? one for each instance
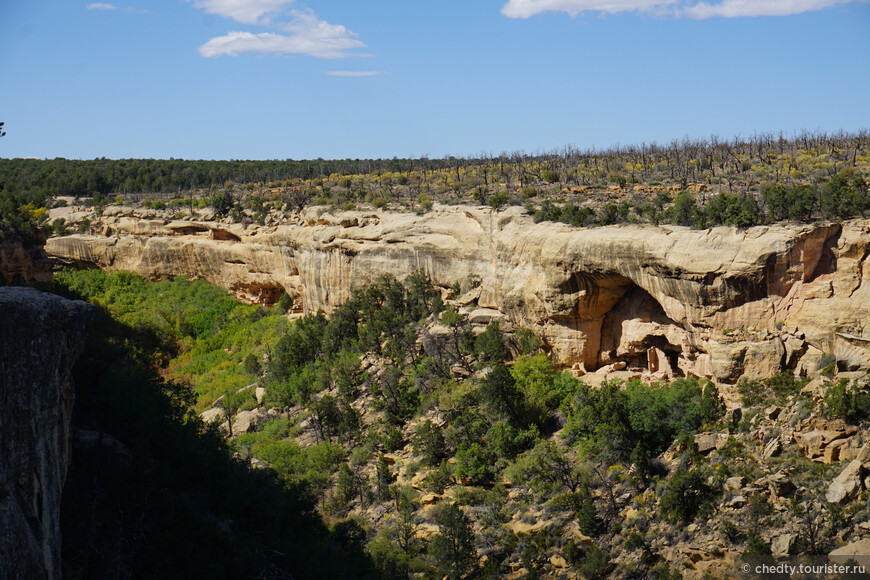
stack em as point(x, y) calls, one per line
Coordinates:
point(697, 183)
point(424, 443)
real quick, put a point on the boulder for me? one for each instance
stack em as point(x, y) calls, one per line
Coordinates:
point(430, 499)
point(859, 548)
point(736, 482)
point(707, 442)
point(772, 449)
point(847, 485)
point(247, 421)
point(816, 441)
point(778, 484)
point(484, 316)
point(783, 544)
point(212, 415)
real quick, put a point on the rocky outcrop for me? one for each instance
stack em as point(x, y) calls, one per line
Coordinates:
point(41, 337)
point(719, 303)
point(21, 263)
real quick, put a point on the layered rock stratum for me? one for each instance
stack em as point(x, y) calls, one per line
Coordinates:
point(41, 338)
point(720, 303)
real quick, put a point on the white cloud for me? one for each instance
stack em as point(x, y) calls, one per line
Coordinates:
point(244, 11)
point(528, 8)
point(101, 6)
point(353, 73)
point(307, 35)
point(737, 8)
point(677, 8)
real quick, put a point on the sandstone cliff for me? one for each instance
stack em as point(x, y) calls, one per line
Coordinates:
point(720, 303)
point(41, 339)
point(20, 263)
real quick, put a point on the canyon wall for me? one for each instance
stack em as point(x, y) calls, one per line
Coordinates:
point(22, 263)
point(719, 303)
point(41, 338)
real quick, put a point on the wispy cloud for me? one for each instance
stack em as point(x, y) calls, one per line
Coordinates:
point(306, 34)
point(353, 73)
point(675, 8)
point(737, 8)
point(101, 6)
point(244, 11)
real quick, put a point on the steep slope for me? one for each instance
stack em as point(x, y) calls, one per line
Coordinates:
point(720, 303)
point(41, 339)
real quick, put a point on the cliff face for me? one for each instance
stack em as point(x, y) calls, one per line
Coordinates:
point(22, 264)
point(41, 338)
point(720, 303)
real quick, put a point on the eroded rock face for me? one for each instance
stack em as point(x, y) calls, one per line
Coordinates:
point(719, 303)
point(41, 338)
point(20, 264)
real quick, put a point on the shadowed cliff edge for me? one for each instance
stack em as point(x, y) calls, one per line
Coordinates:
point(41, 339)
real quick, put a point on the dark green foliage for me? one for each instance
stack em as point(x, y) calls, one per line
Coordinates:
point(348, 487)
point(616, 419)
point(395, 395)
point(490, 346)
point(58, 227)
point(828, 365)
point(499, 200)
point(527, 341)
point(546, 469)
point(453, 545)
point(23, 216)
point(346, 374)
point(685, 494)
point(384, 479)
point(391, 438)
point(640, 460)
point(335, 419)
point(252, 365)
point(588, 519)
point(569, 214)
point(223, 203)
point(500, 394)
point(429, 443)
point(848, 401)
point(301, 346)
point(439, 478)
point(755, 546)
point(841, 199)
point(594, 563)
point(284, 304)
point(793, 203)
point(685, 212)
point(730, 210)
point(473, 463)
point(506, 441)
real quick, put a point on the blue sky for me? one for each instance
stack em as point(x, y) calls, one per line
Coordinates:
point(277, 79)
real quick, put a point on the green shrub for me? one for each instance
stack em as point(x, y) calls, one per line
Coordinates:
point(473, 463)
point(439, 478)
point(684, 495)
point(429, 443)
point(847, 401)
